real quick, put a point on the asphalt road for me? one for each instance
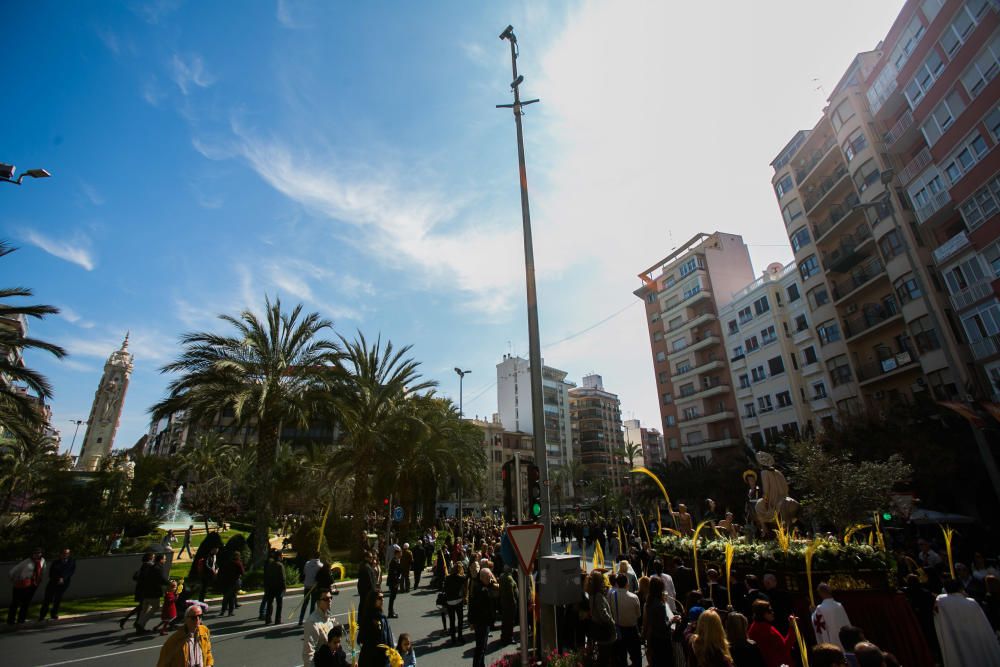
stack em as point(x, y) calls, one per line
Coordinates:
point(236, 640)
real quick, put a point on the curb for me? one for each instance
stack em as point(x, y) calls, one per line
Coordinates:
point(112, 613)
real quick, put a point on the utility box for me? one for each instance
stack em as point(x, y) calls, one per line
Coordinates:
point(559, 579)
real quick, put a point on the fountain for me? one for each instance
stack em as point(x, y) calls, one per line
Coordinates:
point(176, 518)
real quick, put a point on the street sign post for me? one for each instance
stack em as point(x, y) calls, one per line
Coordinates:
point(526, 539)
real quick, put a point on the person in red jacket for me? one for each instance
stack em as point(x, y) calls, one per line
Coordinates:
point(776, 649)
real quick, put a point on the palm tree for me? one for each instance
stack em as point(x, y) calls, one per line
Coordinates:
point(24, 464)
point(18, 411)
point(270, 372)
point(371, 407)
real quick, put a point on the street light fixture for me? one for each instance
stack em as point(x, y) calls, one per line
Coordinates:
point(7, 174)
point(78, 422)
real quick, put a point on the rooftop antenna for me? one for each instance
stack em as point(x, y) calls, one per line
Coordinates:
point(819, 86)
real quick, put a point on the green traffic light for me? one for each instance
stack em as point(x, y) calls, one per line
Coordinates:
point(886, 516)
point(536, 510)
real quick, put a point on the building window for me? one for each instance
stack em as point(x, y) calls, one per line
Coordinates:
point(793, 293)
point(840, 370)
point(924, 335)
point(661, 356)
point(925, 188)
point(744, 381)
point(783, 398)
point(690, 265)
point(809, 267)
point(819, 390)
point(668, 399)
point(800, 238)
point(818, 296)
point(801, 323)
point(983, 204)
point(776, 366)
point(768, 335)
point(992, 123)
point(942, 116)
point(961, 26)
point(841, 115)
point(925, 76)
point(784, 186)
point(678, 344)
point(738, 352)
point(891, 244)
point(673, 443)
point(906, 288)
point(791, 211)
point(761, 305)
point(687, 389)
point(960, 276)
point(745, 315)
point(733, 327)
point(828, 332)
point(962, 160)
point(855, 144)
point(771, 435)
point(683, 367)
point(749, 410)
point(983, 68)
point(809, 355)
point(669, 420)
point(758, 374)
point(764, 402)
point(866, 174)
point(751, 344)
point(657, 335)
point(691, 289)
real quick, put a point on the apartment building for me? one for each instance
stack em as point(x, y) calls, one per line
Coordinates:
point(935, 92)
point(650, 439)
point(514, 406)
point(596, 418)
point(683, 294)
point(780, 386)
point(865, 207)
point(500, 446)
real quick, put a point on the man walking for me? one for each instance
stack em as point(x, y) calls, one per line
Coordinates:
point(508, 605)
point(366, 578)
point(60, 573)
point(419, 560)
point(25, 578)
point(309, 592)
point(151, 582)
point(481, 613)
point(406, 563)
point(829, 617)
point(207, 568)
point(393, 580)
point(186, 544)
point(318, 627)
point(274, 587)
point(625, 610)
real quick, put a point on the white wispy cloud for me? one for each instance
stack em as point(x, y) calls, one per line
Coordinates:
point(145, 344)
point(109, 39)
point(153, 92)
point(75, 250)
point(91, 193)
point(188, 71)
point(155, 11)
point(75, 318)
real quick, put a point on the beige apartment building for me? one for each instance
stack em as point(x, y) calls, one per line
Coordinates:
point(885, 328)
point(683, 294)
point(781, 387)
point(596, 417)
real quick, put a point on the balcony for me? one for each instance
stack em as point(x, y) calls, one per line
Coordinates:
point(850, 251)
point(987, 347)
point(713, 365)
point(803, 172)
point(837, 214)
point(744, 390)
point(693, 322)
point(800, 336)
point(823, 402)
point(738, 361)
point(706, 341)
point(868, 272)
point(868, 321)
point(937, 203)
point(885, 85)
point(904, 123)
point(709, 418)
point(880, 370)
point(971, 294)
point(811, 369)
point(707, 446)
point(915, 166)
point(684, 303)
point(825, 187)
point(950, 247)
point(707, 392)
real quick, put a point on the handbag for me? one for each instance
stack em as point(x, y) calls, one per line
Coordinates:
point(442, 599)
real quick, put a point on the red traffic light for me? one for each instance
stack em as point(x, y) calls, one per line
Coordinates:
point(385, 501)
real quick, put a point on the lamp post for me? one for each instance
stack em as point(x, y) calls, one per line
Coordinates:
point(76, 430)
point(7, 174)
point(461, 415)
point(885, 199)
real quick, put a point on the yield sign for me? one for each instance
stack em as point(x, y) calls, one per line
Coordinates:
point(525, 540)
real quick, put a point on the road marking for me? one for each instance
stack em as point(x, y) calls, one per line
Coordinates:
point(216, 637)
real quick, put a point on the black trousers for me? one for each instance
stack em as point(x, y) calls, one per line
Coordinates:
point(393, 591)
point(628, 646)
point(416, 577)
point(20, 598)
point(455, 615)
point(482, 634)
point(53, 596)
point(273, 600)
point(507, 619)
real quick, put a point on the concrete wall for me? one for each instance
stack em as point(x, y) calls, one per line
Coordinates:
point(102, 576)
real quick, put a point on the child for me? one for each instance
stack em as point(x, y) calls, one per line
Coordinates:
point(405, 649)
point(169, 611)
point(331, 654)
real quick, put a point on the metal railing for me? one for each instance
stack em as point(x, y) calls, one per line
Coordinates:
point(937, 202)
point(843, 256)
point(828, 183)
point(876, 369)
point(803, 172)
point(837, 213)
point(869, 319)
point(915, 166)
point(904, 123)
point(974, 292)
point(985, 347)
point(871, 269)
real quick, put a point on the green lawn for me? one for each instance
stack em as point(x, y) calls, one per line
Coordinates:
point(91, 605)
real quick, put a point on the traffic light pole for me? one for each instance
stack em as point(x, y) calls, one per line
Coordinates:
point(522, 579)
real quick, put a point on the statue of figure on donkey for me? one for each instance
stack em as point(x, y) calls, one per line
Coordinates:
point(775, 501)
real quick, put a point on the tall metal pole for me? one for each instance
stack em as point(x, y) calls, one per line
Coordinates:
point(75, 431)
point(522, 577)
point(548, 628)
point(461, 415)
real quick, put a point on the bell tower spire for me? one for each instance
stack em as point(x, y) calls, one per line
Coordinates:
point(106, 412)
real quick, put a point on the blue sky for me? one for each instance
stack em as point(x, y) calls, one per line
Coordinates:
point(349, 156)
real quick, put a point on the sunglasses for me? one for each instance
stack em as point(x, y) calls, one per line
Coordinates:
point(326, 598)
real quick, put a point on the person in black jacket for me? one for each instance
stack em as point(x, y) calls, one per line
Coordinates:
point(373, 630)
point(152, 579)
point(481, 612)
point(274, 587)
point(394, 578)
point(147, 560)
point(366, 580)
point(419, 561)
point(60, 573)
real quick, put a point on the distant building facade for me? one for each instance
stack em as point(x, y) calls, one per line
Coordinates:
point(651, 441)
point(597, 431)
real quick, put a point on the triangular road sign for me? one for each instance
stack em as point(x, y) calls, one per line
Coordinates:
point(525, 540)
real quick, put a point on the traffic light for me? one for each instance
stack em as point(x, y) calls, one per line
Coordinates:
point(887, 516)
point(534, 492)
point(507, 475)
point(385, 502)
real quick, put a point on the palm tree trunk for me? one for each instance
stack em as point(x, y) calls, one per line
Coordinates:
point(359, 508)
point(267, 446)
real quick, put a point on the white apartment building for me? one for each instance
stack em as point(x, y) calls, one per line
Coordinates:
point(651, 440)
point(514, 406)
point(769, 340)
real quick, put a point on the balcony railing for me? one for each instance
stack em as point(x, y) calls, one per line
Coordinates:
point(877, 369)
point(871, 269)
point(937, 202)
point(828, 183)
point(971, 294)
point(986, 347)
point(951, 246)
point(904, 123)
point(837, 213)
point(871, 318)
point(915, 166)
point(845, 255)
point(803, 172)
